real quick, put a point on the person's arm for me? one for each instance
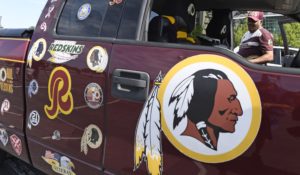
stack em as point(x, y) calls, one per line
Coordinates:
point(267, 57)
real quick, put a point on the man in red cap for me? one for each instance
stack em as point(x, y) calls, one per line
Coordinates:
point(257, 43)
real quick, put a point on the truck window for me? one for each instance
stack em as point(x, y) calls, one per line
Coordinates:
point(193, 27)
point(94, 18)
point(130, 21)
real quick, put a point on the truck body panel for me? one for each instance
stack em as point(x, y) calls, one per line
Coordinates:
point(12, 56)
point(275, 106)
point(73, 95)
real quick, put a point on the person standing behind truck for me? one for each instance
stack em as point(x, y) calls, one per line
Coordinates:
point(257, 43)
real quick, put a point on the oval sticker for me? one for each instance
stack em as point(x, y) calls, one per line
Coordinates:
point(210, 108)
point(84, 11)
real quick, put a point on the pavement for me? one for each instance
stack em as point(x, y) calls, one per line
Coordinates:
point(4, 169)
point(14, 166)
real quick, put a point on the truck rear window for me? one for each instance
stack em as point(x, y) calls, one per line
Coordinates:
point(89, 18)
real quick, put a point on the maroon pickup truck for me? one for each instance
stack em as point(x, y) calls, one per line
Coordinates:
point(128, 87)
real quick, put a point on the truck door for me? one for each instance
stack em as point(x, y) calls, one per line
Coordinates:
point(66, 80)
point(133, 68)
point(13, 49)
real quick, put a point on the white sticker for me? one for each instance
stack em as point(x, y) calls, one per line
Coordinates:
point(191, 10)
point(56, 135)
point(50, 10)
point(34, 119)
point(59, 164)
point(5, 106)
point(113, 2)
point(43, 27)
point(63, 51)
point(84, 11)
point(33, 88)
point(3, 74)
point(3, 137)
point(97, 59)
point(92, 137)
point(93, 95)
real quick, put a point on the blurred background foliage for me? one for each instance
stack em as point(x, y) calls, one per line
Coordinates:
point(292, 32)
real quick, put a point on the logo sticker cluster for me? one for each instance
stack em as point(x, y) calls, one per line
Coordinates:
point(64, 51)
point(16, 144)
point(92, 137)
point(93, 95)
point(5, 106)
point(37, 51)
point(97, 59)
point(59, 93)
point(59, 164)
point(6, 80)
point(207, 106)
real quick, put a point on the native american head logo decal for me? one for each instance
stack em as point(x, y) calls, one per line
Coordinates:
point(207, 106)
point(37, 51)
point(209, 101)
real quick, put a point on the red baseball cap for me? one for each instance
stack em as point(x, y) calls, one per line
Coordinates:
point(256, 15)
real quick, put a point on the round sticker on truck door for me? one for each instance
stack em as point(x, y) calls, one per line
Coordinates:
point(207, 106)
point(97, 59)
point(37, 51)
point(211, 109)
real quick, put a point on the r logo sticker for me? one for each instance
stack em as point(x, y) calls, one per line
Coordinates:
point(59, 93)
point(5, 106)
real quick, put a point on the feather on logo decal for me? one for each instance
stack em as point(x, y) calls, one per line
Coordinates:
point(207, 106)
point(148, 134)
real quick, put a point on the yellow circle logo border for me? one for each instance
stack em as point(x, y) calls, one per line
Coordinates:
point(255, 101)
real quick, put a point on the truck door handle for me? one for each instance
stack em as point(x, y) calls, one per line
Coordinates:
point(129, 82)
point(130, 85)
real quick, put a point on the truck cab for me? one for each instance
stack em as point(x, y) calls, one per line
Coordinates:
point(111, 87)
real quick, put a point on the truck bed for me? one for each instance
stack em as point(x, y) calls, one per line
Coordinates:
point(17, 33)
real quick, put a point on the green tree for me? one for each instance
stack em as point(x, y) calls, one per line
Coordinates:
point(277, 40)
point(293, 34)
point(198, 30)
point(240, 28)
